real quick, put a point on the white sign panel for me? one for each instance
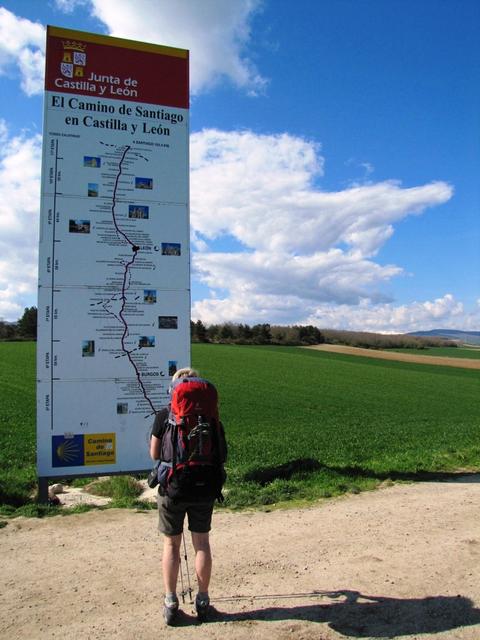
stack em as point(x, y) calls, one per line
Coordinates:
point(114, 298)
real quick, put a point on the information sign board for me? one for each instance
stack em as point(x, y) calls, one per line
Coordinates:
point(114, 267)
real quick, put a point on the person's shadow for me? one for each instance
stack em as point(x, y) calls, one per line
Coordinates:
point(363, 616)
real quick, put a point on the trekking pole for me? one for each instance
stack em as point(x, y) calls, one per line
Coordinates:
point(183, 592)
point(190, 590)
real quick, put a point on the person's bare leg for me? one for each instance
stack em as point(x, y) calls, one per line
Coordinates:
point(171, 562)
point(203, 560)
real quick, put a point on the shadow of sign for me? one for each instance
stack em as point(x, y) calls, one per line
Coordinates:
point(365, 616)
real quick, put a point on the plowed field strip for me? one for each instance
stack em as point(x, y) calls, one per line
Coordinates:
point(400, 357)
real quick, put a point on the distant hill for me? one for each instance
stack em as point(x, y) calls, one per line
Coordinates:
point(465, 337)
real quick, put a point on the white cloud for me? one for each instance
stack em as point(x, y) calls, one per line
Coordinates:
point(217, 33)
point(439, 313)
point(323, 276)
point(305, 255)
point(366, 167)
point(261, 189)
point(22, 43)
point(19, 213)
point(69, 6)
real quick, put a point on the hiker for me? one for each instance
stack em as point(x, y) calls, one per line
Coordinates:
point(189, 481)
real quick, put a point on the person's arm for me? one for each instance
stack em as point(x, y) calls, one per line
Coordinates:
point(155, 447)
point(158, 430)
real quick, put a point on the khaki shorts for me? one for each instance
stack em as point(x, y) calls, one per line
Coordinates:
point(171, 516)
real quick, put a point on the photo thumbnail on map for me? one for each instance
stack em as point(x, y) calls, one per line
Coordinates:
point(168, 322)
point(138, 211)
point(146, 341)
point(143, 183)
point(93, 162)
point(93, 190)
point(88, 348)
point(79, 226)
point(171, 249)
point(150, 296)
point(122, 408)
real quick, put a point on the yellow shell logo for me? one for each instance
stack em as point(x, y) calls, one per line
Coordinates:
point(68, 450)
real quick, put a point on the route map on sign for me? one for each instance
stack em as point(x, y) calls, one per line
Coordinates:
point(114, 300)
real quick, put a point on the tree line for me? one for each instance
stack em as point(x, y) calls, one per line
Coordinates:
point(305, 335)
point(232, 333)
point(24, 329)
point(368, 340)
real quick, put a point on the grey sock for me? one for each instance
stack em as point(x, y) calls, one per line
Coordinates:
point(171, 599)
point(202, 596)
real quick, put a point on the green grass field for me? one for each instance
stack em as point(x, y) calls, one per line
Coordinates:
point(444, 352)
point(17, 421)
point(301, 424)
point(356, 420)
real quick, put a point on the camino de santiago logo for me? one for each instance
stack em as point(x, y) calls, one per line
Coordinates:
point(80, 449)
point(74, 59)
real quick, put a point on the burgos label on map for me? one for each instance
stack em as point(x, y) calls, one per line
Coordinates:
point(99, 448)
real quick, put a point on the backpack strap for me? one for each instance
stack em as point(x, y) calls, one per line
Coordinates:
point(174, 444)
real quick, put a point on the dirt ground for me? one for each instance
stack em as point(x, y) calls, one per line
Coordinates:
point(401, 357)
point(399, 562)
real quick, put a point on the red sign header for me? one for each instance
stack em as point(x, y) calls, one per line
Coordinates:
point(105, 67)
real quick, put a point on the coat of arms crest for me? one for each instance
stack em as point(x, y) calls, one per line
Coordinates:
point(74, 59)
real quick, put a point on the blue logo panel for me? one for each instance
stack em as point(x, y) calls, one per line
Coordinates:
point(68, 452)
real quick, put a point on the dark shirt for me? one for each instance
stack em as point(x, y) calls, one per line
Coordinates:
point(159, 424)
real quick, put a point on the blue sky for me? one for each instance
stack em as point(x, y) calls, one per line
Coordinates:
point(335, 154)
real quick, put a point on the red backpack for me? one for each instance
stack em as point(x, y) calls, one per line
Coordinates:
point(193, 446)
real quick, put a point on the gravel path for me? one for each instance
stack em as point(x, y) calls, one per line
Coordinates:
point(400, 562)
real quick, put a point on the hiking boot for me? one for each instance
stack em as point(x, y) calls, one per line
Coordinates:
point(170, 612)
point(202, 608)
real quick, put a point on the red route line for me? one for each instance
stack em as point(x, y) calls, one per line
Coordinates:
point(124, 283)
